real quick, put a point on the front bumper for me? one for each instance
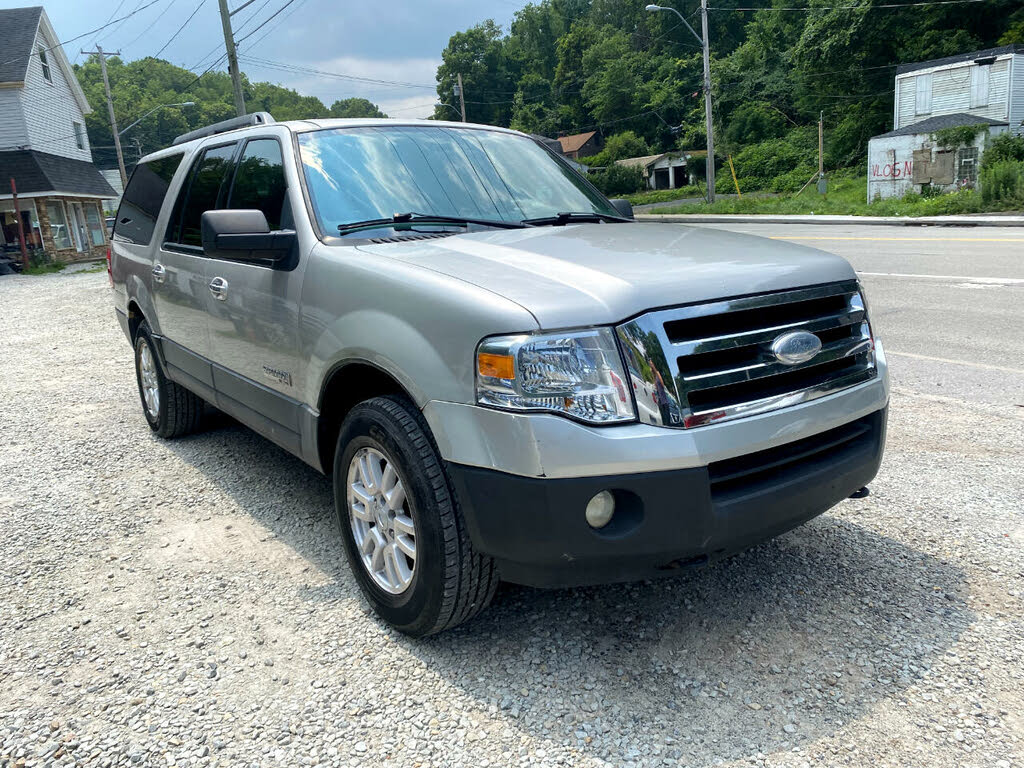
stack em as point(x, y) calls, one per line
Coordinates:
point(536, 530)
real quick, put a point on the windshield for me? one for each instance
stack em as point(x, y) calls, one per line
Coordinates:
point(374, 172)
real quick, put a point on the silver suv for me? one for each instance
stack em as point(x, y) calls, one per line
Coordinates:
point(506, 376)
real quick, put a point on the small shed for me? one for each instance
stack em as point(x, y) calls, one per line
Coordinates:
point(664, 171)
point(909, 158)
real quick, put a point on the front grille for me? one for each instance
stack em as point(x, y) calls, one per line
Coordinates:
point(712, 362)
point(774, 465)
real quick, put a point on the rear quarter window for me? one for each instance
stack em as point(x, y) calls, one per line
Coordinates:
point(144, 197)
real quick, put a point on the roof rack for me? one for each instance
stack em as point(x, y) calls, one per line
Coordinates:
point(255, 118)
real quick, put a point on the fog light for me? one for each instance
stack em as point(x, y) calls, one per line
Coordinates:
point(600, 509)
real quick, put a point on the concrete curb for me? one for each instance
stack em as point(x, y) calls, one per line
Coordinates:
point(904, 221)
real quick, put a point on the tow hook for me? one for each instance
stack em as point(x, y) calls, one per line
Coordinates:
point(862, 493)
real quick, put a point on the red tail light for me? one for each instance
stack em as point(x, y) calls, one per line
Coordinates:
point(110, 272)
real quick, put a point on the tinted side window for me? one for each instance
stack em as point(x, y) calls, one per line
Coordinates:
point(208, 174)
point(143, 198)
point(259, 180)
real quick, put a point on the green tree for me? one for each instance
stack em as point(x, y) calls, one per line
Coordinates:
point(355, 107)
point(145, 84)
point(478, 55)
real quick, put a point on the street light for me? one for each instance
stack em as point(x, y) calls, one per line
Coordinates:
point(710, 166)
point(443, 104)
point(655, 8)
point(154, 109)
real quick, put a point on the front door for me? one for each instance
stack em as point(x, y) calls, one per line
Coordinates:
point(180, 275)
point(78, 228)
point(254, 315)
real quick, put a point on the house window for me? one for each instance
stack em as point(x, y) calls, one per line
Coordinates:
point(58, 225)
point(46, 65)
point(979, 85)
point(923, 104)
point(79, 135)
point(967, 166)
point(95, 223)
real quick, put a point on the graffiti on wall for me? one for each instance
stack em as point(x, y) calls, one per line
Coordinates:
point(888, 168)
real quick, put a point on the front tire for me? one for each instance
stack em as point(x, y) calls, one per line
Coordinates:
point(170, 409)
point(404, 535)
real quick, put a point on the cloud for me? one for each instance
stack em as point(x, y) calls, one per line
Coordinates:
point(410, 91)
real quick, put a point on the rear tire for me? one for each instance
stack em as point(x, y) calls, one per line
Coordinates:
point(447, 582)
point(170, 409)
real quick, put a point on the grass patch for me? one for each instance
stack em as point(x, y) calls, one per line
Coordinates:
point(847, 195)
point(663, 195)
point(45, 268)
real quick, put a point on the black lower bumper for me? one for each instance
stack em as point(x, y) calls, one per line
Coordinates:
point(536, 530)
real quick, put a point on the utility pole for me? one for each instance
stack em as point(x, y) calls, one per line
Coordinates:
point(822, 184)
point(110, 108)
point(21, 226)
point(229, 43)
point(462, 97)
point(821, 144)
point(710, 172)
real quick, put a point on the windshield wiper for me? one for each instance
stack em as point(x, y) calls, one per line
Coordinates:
point(427, 218)
point(569, 217)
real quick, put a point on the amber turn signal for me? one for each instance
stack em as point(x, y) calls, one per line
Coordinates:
point(496, 366)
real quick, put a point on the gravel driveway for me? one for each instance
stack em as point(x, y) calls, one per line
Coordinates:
point(187, 603)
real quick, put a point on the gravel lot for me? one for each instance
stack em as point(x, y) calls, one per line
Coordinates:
point(187, 603)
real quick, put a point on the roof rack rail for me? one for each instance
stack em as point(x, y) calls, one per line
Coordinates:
point(255, 118)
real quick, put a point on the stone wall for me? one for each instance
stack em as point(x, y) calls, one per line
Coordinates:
point(69, 254)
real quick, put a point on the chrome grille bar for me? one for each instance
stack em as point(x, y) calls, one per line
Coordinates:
point(712, 362)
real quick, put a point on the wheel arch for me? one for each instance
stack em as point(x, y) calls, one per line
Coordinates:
point(135, 318)
point(347, 384)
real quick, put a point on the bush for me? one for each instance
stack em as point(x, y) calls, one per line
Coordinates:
point(1003, 147)
point(618, 180)
point(1002, 182)
point(625, 144)
point(618, 147)
point(754, 122)
point(773, 165)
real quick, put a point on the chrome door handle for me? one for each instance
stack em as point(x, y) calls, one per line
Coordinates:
point(159, 273)
point(219, 288)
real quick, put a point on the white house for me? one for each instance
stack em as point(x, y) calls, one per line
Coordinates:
point(980, 88)
point(44, 146)
point(664, 171)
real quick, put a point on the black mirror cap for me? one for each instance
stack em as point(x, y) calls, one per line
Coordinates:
point(624, 207)
point(244, 235)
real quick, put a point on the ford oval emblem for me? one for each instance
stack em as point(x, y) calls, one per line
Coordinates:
point(795, 347)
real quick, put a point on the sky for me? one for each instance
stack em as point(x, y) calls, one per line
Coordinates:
point(400, 40)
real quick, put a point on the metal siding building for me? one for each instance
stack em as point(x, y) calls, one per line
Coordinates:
point(980, 87)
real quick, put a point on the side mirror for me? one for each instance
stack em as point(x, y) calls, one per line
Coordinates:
point(244, 235)
point(624, 208)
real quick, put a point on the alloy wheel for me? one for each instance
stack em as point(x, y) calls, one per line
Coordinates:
point(149, 379)
point(381, 522)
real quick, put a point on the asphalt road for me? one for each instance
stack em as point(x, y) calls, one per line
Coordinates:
point(947, 302)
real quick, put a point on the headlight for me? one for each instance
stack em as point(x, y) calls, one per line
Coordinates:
point(574, 373)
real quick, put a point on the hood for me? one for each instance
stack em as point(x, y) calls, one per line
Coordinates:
point(600, 274)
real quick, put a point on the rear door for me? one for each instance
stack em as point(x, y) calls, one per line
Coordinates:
point(180, 283)
point(135, 227)
point(254, 316)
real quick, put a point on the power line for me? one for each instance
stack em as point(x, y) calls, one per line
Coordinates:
point(84, 34)
point(852, 7)
point(252, 16)
point(339, 75)
point(265, 21)
point(116, 29)
point(151, 24)
point(185, 24)
point(96, 40)
point(278, 24)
